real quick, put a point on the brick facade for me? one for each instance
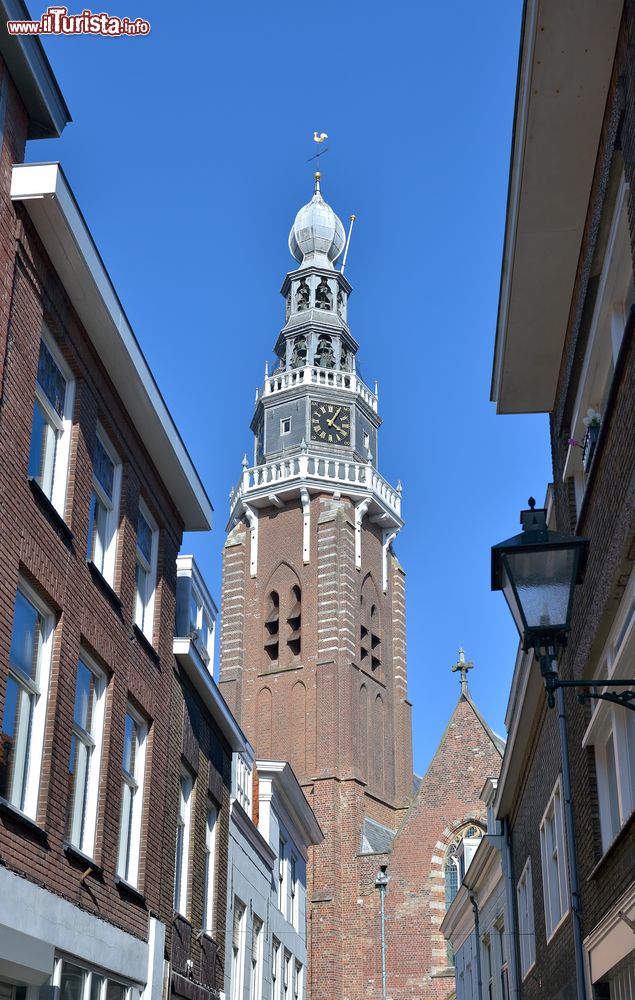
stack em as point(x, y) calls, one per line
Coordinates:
point(48, 551)
point(606, 515)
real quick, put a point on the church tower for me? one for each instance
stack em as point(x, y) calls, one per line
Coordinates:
point(313, 645)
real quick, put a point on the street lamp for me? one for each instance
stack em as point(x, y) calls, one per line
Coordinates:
point(381, 883)
point(537, 571)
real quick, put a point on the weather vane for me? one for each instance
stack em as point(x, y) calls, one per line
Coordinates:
point(319, 138)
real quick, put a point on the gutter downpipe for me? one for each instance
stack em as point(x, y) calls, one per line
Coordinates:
point(511, 909)
point(477, 934)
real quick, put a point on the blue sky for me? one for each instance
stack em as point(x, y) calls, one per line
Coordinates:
point(188, 157)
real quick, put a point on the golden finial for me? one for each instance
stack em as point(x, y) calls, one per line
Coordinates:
point(317, 176)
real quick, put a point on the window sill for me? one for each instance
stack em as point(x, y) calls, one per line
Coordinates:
point(561, 923)
point(143, 640)
point(50, 511)
point(105, 587)
point(617, 840)
point(74, 854)
point(130, 891)
point(16, 815)
point(275, 669)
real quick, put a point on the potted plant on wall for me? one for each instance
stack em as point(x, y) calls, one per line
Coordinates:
point(592, 422)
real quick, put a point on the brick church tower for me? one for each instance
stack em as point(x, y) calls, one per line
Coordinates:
point(313, 648)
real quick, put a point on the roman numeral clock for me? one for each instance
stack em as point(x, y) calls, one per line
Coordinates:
point(330, 423)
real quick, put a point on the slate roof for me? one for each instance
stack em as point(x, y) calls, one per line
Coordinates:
point(376, 838)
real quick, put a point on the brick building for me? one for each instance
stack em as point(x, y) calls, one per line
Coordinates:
point(565, 345)
point(101, 725)
point(204, 737)
point(313, 648)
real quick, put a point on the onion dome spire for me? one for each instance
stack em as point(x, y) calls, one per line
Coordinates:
point(317, 235)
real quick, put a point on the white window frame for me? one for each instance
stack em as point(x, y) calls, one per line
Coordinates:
point(276, 953)
point(257, 943)
point(282, 875)
point(293, 890)
point(243, 783)
point(606, 332)
point(613, 722)
point(182, 858)
point(209, 873)
point(238, 950)
point(526, 929)
point(144, 604)
point(553, 852)
point(128, 855)
point(203, 621)
point(283, 430)
point(131, 991)
point(111, 506)
point(298, 980)
point(83, 827)
point(38, 693)
point(287, 975)
point(62, 426)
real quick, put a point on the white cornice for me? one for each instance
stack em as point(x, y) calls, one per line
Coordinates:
point(566, 59)
point(189, 658)
point(286, 788)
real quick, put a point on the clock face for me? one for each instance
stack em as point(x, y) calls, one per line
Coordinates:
point(330, 423)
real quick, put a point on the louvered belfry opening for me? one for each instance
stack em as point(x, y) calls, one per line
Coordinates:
point(294, 621)
point(272, 627)
point(369, 634)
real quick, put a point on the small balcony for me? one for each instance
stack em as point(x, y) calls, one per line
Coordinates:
point(273, 481)
point(346, 381)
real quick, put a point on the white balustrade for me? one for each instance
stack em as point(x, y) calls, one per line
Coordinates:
point(323, 377)
point(316, 467)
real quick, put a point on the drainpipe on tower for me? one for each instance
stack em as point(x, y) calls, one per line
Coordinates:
point(477, 934)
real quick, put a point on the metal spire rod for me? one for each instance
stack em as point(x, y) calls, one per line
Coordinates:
point(348, 241)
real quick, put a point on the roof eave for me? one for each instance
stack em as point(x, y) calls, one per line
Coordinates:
point(33, 76)
point(47, 197)
point(564, 72)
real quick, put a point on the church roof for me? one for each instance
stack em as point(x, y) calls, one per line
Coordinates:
point(376, 839)
point(498, 741)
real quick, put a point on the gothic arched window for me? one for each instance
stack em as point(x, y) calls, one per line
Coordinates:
point(272, 626)
point(323, 296)
point(455, 865)
point(294, 620)
point(302, 297)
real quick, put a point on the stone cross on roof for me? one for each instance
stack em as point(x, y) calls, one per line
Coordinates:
point(463, 665)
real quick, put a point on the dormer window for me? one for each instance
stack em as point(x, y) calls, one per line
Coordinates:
point(302, 297)
point(324, 296)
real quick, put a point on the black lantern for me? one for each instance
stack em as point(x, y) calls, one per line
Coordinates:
point(537, 571)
